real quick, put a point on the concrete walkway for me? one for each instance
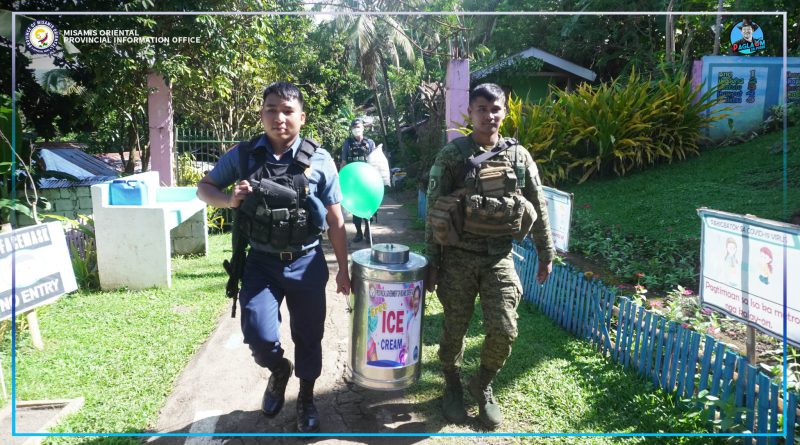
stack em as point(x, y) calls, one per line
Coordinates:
point(221, 388)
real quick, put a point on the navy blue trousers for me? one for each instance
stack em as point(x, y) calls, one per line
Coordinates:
point(266, 282)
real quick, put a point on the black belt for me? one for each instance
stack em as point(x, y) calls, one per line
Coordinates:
point(290, 255)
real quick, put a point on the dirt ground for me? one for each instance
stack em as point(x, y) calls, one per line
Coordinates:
point(220, 390)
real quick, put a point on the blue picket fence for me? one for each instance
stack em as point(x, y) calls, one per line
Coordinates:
point(674, 358)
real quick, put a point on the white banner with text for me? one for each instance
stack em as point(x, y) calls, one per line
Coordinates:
point(38, 271)
point(750, 270)
point(559, 210)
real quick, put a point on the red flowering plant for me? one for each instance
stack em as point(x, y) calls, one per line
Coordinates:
point(680, 305)
point(639, 295)
point(683, 306)
point(640, 292)
point(705, 319)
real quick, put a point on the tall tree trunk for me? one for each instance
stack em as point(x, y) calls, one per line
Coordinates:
point(718, 28)
point(381, 118)
point(146, 157)
point(412, 106)
point(687, 45)
point(392, 107)
point(670, 34)
point(133, 154)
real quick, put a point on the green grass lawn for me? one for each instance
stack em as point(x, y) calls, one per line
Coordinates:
point(122, 350)
point(556, 383)
point(661, 202)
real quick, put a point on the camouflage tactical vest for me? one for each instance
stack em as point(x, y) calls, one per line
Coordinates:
point(487, 206)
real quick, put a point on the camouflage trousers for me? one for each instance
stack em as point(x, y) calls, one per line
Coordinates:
point(462, 276)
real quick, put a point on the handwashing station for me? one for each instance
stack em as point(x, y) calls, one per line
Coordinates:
point(139, 225)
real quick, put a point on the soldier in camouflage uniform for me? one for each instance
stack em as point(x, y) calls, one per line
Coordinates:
point(481, 264)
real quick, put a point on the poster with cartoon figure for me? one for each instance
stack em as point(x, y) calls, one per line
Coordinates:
point(731, 264)
point(394, 321)
point(746, 271)
point(766, 277)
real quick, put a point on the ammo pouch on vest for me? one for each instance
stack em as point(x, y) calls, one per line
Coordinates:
point(496, 209)
point(358, 151)
point(271, 216)
point(496, 182)
point(493, 217)
point(446, 217)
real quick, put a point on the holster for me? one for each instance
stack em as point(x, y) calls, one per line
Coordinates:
point(276, 195)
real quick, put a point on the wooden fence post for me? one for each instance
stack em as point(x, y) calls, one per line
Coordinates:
point(36, 334)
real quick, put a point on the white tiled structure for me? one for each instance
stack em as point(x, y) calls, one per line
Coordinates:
point(135, 242)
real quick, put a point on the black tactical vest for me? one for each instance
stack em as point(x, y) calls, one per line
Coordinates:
point(276, 212)
point(357, 151)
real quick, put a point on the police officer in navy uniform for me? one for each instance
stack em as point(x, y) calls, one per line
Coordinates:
point(282, 266)
point(356, 149)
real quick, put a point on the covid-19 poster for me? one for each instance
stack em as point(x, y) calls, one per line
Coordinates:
point(394, 321)
point(559, 211)
point(749, 269)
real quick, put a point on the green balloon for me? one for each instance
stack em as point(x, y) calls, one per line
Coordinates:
point(362, 189)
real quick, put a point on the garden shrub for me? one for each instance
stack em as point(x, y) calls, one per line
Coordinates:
point(774, 121)
point(614, 127)
point(538, 128)
point(657, 264)
point(189, 176)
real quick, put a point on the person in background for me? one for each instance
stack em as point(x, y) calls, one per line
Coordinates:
point(356, 149)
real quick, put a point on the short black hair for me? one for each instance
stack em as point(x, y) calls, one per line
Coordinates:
point(356, 121)
point(284, 90)
point(489, 91)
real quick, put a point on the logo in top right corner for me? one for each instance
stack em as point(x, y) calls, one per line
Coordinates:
point(747, 38)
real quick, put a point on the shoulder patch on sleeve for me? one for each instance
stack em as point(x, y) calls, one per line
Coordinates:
point(435, 178)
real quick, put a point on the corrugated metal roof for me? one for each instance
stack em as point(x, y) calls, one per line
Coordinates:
point(65, 183)
point(75, 162)
point(556, 61)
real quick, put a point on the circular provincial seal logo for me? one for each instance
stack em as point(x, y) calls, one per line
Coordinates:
point(747, 37)
point(41, 37)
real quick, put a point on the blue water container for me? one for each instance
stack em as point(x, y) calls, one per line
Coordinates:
point(127, 192)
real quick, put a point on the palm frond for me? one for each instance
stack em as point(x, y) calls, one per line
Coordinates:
point(58, 81)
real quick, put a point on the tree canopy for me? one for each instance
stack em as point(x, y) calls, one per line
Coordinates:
point(355, 62)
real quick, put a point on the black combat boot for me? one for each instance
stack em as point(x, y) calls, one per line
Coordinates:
point(453, 399)
point(359, 237)
point(481, 388)
point(307, 416)
point(273, 399)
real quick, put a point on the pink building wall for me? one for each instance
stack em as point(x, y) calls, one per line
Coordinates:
point(159, 111)
point(456, 96)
